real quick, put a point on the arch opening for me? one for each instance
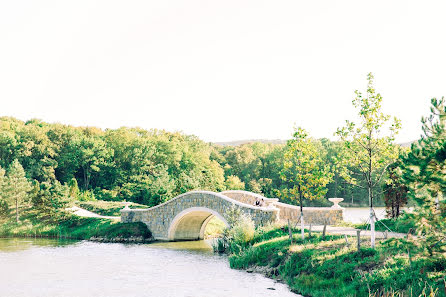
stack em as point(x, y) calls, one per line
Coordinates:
point(190, 224)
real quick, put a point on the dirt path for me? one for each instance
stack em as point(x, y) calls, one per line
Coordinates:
point(85, 213)
point(352, 232)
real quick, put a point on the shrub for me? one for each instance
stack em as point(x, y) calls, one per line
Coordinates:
point(86, 196)
point(4, 209)
point(243, 230)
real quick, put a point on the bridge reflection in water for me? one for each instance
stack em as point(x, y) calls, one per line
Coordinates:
point(186, 216)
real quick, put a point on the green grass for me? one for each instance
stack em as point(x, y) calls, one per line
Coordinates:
point(214, 227)
point(106, 208)
point(70, 226)
point(402, 224)
point(328, 267)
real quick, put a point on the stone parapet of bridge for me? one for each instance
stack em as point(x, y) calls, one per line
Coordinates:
point(312, 215)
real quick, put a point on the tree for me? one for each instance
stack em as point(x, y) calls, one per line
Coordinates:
point(49, 200)
point(17, 186)
point(368, 142)
point(73, 188)
point(92, 155)
point(424, 172)
point(304, 171)
point(395, 191)
point(4, 207)
point(234, 183)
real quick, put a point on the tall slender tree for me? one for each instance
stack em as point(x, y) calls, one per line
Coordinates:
point(17, 186)
point(369, 142)
point(304, 171)
point(4, 207)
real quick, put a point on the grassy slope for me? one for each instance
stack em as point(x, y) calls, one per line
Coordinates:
point(402, 224)
point(70, 226)
point(106, 208)
point(330, 268)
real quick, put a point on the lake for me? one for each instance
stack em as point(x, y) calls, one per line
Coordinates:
point(46, 268)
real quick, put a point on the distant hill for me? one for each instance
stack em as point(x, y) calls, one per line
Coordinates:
point(276, 141)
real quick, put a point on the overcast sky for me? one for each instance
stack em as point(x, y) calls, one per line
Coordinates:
point(222, 70)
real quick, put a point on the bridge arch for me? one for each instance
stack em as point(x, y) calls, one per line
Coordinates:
point(190, 224)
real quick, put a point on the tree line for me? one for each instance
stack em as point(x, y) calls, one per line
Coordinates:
point(151, 166)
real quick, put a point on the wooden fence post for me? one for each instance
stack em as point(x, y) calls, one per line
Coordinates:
point(309, 232)
point(358, 235)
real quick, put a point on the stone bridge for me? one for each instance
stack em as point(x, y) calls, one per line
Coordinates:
point(186, 216)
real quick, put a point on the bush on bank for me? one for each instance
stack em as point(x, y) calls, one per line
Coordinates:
point(330, 267)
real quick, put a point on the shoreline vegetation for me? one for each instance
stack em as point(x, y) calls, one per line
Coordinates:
point(317, 266)
point(70, 226)
point(332, 266)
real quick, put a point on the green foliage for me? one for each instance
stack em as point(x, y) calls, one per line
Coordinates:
point(127, 163)
point(234, 183)
point(327, 267)
point(424, 172)
point(395, 191)
point(73, 227)
point(16, 187)
point(304, 171)
point(107, 208)
point(215, 227)
point(73, 189)
point(49, 200)
point(238, 235)
point(87, 195)
point(149, 166)
point(368, 144)
point(404, 223)
point(242, 231)
point(4, 209)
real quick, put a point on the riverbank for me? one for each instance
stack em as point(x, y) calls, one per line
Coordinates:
point(323, 267)
point(71, 226)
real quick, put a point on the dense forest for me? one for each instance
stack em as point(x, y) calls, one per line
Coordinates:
point(151, 166)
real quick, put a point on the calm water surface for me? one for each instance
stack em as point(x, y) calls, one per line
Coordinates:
point(47, 268)
point(362, 214)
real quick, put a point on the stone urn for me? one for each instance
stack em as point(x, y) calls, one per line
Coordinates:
point(126, 204)
point(335, 202)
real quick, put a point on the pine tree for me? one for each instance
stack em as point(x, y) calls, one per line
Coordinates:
point(4, 207)
point(424, 172)
point(17, 186)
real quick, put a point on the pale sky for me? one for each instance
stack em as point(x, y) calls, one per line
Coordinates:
point(222, 70)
